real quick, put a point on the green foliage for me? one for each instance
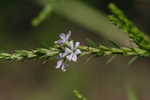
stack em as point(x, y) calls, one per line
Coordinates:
point(52, 52)
point(120, 20)
point(45, 13)
point(21, 55)
point(91, 43)
point(78, 95)
point(47, 10)
point(133, 59)
point(105, 51)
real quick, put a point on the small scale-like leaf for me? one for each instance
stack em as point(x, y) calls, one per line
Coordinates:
point(114, 44)
point(91, 43)
point(78, 95)
point(110, 60)
point(132, 60)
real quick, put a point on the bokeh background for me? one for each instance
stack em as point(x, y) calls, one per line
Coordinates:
point(20, 28)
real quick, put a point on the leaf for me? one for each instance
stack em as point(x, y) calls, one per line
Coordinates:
point(79, 95)
point(110, 60)
point(91, 43)
point(132, 60)
point(114, 44)
point(42, 15)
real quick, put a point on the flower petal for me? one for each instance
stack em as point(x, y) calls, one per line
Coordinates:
point(68, 35)
point(74, 57)
point(71, 45)
point(77, 44)
point(63, 68)
point(69, 57)
point(67, 51)
point(65, 54)
point(62, 36)
point(59, 41)
point(59, 64)
point(77, 52)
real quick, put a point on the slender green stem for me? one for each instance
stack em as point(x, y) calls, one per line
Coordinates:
point(20, 55)
point(105, 51)
point(119, 19)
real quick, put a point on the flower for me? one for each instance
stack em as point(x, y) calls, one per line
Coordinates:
point(61, 65)
point(72, 52)
point(69, 51)
point(63, 38)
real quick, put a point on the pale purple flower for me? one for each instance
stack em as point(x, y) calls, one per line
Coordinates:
point(72, 52)
point(61, 65)
point(63, 38)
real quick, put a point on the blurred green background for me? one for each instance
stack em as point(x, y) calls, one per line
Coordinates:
point(20, 28)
